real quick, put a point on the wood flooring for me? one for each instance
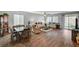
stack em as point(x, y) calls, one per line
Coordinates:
point(53, 38)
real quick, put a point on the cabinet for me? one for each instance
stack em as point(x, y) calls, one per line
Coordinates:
point(4, 28)
point(5, 24)
point(75, 36)
point(1, 25)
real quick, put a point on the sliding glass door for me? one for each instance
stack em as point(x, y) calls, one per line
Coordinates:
point(70, 21)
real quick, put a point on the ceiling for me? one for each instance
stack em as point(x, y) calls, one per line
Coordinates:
point(49, 12)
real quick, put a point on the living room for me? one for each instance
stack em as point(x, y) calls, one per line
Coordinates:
point(39, 29)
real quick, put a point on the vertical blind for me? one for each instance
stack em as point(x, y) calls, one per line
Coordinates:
point(18, 20)
point(55, 19)
point(49, 19)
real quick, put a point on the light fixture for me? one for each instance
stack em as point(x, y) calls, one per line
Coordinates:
point(45, 14)
point(45, 17)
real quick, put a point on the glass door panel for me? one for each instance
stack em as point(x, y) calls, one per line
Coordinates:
point(66, 22)
point(70, 21)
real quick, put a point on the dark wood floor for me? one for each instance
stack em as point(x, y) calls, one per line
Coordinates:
point(53, 38)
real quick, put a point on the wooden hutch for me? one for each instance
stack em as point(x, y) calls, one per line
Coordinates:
point(4, 28)
point(1, 25)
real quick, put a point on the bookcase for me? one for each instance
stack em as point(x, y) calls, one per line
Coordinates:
point(4, 29)
point(5, 24)
point(1, 25)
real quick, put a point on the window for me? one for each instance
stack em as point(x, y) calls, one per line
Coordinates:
point(66, 22)
point(18, 20)
point(49, 19)
point(55, 19)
